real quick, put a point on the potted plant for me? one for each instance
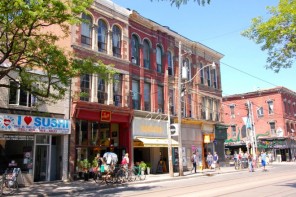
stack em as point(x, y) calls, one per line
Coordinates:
point(148, 167)
point(142, 167)
point(85, 164)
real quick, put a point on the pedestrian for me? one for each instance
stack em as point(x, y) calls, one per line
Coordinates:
point(194, 161)
point(125, 161)
point(216, 160)
point(250, 162)
point(263, 160)
point(209, 160)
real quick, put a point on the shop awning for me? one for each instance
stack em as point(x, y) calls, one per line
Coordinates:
point(153, 142)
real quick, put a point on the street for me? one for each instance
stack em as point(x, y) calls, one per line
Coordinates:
point(279, 180)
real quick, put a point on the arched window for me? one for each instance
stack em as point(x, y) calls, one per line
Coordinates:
point(86, 30)
point(159, 59)
point(170, 64)
point(135, 50)
point(102, 36)
point(116, 41)
point(146, 53)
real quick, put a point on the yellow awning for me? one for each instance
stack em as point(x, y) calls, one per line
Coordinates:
point(153, 142)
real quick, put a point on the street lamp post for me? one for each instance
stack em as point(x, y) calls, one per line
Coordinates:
point(179, 106)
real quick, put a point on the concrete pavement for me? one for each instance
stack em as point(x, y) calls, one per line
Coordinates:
point(62, 188)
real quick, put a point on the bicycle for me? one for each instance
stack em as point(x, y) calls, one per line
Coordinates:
point(8, 183)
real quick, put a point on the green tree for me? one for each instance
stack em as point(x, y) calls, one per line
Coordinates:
point(277, 35)
point(30, 50)
point(179, 2)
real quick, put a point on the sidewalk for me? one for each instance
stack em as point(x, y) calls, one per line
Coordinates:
point(62, 188)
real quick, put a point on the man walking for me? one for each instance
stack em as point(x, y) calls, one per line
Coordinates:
point(216, 160)
point(263, 160)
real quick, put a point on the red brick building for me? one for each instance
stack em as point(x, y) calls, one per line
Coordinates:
point(272, 117)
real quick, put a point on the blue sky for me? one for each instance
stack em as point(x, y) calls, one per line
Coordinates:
point(218, 26)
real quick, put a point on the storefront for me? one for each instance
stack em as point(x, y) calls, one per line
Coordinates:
point(36, 145)
point(151, 143)
point(98, 129)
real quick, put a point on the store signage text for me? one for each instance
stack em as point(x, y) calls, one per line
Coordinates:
point(106, 116)
point(20, 123)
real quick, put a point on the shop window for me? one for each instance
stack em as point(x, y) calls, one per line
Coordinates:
point(105, 134)
point(82, 132)
point(95, 134)
point(17, 96)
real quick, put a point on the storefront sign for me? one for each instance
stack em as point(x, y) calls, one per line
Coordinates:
point(149, 128)
point(105, 116)
point(34, 124)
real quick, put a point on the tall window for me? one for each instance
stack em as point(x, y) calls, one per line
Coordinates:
point(116, 41)
point(270, 107)
point(101, 94)
point(85, 87)
point(286, 104)
point(159, 59)
point(147, 96)
point(160, 98)
point(202, 77)
point(170, 64)
point(260, 112)
point(21, 97)
point(190, 106)
point(86, 30)
point(146, 53)
point(102, 36)
point(233, 130)
point(186, 65)
point(208, 70)
point(136, 94)
point(203, 108)
point(210, 109)
point(117, 90)
point(171, 100)
point(215, 78)
point(216, 110)
point(232, 111)
point(272, 128)
point(135, 50)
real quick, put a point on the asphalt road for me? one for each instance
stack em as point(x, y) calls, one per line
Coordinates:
point(279, 180)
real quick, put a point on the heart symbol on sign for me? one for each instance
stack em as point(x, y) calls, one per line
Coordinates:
point(28, 119)
point(6, 122)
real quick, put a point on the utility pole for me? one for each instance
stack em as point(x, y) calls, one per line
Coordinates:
point(179, 113)
point(171, 169)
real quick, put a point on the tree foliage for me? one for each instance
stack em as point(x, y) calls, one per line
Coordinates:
point(178, 3)
point(27, 47)
point(277, 35)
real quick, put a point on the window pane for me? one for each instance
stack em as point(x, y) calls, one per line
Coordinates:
point(136, 95)
point(146, 54)
point(101, 91)
point(147, 97)
point(116, 41)
point(86, 30)
point(117, 89)
point(170, 64)
point(84, 87)
point(23, 98)
point(160, 98)
point(158, 59)
point(102, 36)
point(13, 92)
point(135, 50)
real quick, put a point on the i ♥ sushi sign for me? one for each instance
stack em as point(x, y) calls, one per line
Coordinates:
point(34, 124)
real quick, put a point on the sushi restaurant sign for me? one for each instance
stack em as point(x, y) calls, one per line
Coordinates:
point(34, 124)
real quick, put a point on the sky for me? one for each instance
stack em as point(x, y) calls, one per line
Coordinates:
point(219, 26)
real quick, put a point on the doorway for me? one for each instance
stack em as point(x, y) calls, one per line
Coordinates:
point(41, 170)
